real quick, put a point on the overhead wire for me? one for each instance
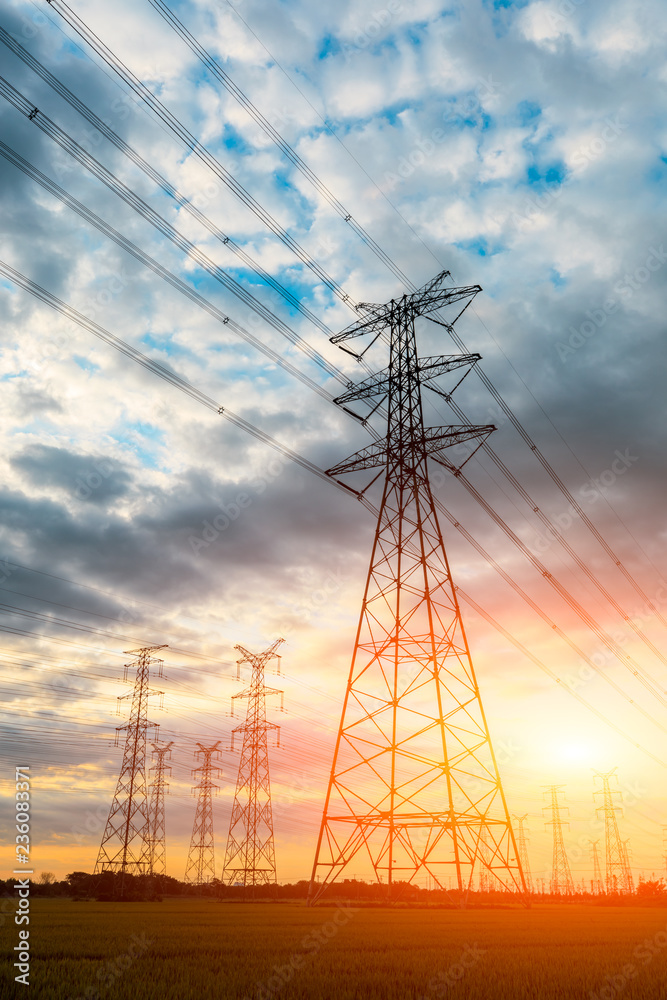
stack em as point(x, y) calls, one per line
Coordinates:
point(546, 618)
point(216, 70)
point(550, 673)
point(196, 148)
point(27, 109)
point(183, 202)
point(225, 79)
point(607, 640)
point(162, 272)
point(157, 369)
point(628, 661)
point(40, 293)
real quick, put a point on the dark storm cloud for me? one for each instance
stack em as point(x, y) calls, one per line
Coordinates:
point(92, 478)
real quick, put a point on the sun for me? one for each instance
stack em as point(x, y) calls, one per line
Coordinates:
point(574, 752)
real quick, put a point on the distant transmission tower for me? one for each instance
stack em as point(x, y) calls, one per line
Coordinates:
point(627, 854)
point(250, 856)
point(125, 843)
point(618, 877)
point(158, 787)
point(414, 789)
point(522, 848)
point(484, 876)
point(597, 886)
point(561, 876)
point(200, 867)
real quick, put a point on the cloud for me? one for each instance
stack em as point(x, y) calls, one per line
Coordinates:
point(92, 478)
point(524, 149)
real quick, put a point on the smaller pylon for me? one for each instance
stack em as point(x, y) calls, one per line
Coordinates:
point(561, 876)
point(597, 886)
point(200, 867)
point(250, 855)
point(522, 850)
point(125, 841)
point(627, 853)
point(157, 845)
point(618, 877)
point(484, 875)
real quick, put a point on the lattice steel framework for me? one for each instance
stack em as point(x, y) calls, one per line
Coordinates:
point(157, 843)
point(522, 847)
point(250, 856)
point(125, 843)
point(561, 876)
point(200, 867)
point(597, 885)
point(414, 789)
point(618, 877)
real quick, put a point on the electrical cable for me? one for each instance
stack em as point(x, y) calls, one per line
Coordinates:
point(194, 147)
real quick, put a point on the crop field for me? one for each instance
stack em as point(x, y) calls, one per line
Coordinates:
point(205, 950)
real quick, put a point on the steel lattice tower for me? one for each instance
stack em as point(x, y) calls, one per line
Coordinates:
point(484, 876)
point(561, 876)
point(522, 848)
point(250, 856)
point(125, 843)
point(618, 877)
point(414, 789)
point(200, 867)
point(157, 836)
point(627, 853)
point(597, 885)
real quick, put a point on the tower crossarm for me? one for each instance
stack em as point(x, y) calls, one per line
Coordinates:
point(268, 654)
point(434, 439)
point(422, 302)
point(428, 300)
point(429, 368)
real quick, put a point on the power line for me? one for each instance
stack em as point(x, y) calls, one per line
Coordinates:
point(56, 303)
point(224, 78)
point(158, 178)
point(108, 56)
point(162, 272)
point(624, 658)
point(580, 563)
point(157, 369)
point(213, 66)
point(542, 614)
point(193, 145)
point(550, 673)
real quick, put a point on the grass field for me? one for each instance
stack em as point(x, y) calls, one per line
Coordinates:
point(195, 948)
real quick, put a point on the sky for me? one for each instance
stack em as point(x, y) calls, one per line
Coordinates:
point(523, 147)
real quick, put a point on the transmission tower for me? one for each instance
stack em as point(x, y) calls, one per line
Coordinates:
point(597, 886)
point(484, 876)
point(561, 876)
point(125, 843)
point(200, 867)
point(414, 788)
point(627, 853)
point(522, 848)
point(157, 838)
point(664, 846)
point(250, 856)
point(618, 877)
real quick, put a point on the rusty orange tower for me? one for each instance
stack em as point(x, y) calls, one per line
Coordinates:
point(414, 790)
